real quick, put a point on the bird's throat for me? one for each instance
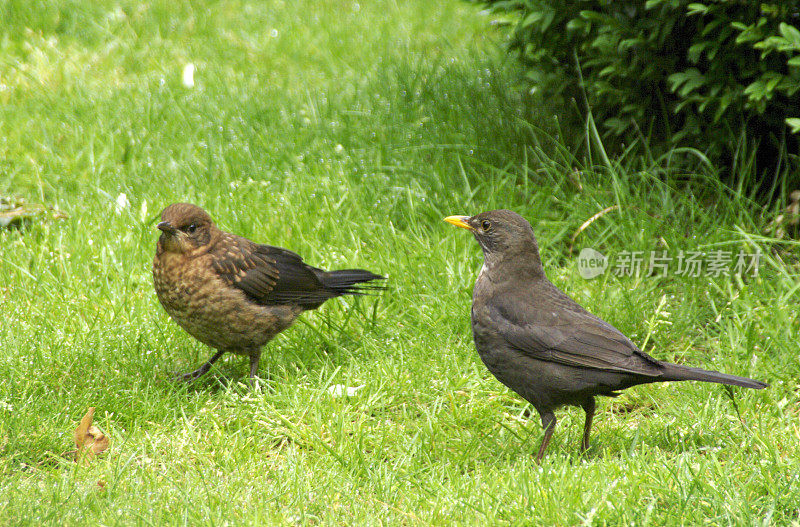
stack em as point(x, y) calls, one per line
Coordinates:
point(497, 269)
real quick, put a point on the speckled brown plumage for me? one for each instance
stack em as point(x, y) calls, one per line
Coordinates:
point(233, 294)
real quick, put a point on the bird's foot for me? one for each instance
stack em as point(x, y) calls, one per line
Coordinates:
point(254, 383)
point(186, 377)
point(201, 370)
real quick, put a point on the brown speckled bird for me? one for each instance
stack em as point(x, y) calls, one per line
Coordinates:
point(233, 294)
point(543, 345)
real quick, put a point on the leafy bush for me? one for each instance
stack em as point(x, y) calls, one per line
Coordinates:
point(718, 75)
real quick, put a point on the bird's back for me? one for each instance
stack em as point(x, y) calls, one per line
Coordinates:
point(543, 345)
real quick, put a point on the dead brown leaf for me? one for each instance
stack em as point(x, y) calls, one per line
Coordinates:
point(89, 440)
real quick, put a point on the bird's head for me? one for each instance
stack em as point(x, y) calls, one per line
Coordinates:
point(185, 228)
point(503, 235)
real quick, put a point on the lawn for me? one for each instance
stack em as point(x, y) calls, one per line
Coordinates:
point(346, 131)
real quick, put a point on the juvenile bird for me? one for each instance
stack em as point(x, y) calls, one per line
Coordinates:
point(543, 345)
point(232, 294)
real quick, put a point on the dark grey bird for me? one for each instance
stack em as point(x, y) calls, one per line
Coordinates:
point(233, 294)
point(542, 344)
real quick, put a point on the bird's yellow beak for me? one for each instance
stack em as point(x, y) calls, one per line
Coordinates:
point(459, 221)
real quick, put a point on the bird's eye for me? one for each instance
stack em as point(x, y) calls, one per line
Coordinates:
point(191, 228)
point(486, 225)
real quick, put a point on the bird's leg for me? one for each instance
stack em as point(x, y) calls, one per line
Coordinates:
point(202, 369)
point(588, 407)
point(254, 357)
point(549, 424)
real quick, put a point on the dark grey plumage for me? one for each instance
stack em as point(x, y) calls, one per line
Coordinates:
point(542, 344)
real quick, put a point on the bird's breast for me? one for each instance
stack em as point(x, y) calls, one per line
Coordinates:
point(176, 280)
point(213, 311)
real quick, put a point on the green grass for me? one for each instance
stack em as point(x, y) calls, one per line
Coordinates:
point(346, 131)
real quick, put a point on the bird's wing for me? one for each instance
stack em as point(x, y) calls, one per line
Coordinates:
point(568, 334)
point(268, 275)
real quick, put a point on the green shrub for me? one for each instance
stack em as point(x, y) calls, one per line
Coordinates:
point(720, 76)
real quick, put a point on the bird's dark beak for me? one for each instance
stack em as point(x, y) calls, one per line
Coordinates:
point(166, 227)
point(459, 221)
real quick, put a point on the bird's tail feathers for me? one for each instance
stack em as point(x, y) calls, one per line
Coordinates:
point(351, 282)
point(675, 372)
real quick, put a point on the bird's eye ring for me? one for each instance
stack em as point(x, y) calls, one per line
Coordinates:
point(191, 228)
point(486, 225)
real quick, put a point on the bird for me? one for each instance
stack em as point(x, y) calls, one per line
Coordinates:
point(542, 344)
point(233, 294)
